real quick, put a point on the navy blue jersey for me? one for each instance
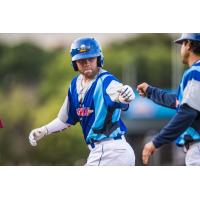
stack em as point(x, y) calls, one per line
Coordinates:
point(185, 125)
point(189, 93)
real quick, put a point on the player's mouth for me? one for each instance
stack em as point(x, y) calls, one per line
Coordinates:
point(87, 70)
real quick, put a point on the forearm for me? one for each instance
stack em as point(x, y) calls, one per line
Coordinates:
point(178, 125)
point(56, 126)
point(161, 97)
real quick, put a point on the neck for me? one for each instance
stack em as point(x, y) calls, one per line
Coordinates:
point(86, 79)
point(193, 59)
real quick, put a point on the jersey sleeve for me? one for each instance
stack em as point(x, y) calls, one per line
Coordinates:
point(191, 89)
point(176, 126)
point(162, 97)
point(111, 90)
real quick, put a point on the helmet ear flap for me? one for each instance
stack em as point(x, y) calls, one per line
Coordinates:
point(73, 63)
point(100, 61)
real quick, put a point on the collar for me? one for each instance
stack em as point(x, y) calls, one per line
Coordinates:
point(197, 62)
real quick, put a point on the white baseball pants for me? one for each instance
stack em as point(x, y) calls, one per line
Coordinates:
point(192, 157)
point(111, 153)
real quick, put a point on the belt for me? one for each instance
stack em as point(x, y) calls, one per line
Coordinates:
point(189, 144)
point(94, 142)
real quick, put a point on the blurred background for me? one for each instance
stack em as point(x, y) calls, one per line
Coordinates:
point(35, 73)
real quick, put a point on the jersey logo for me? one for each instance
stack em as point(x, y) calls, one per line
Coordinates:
point(83, 112)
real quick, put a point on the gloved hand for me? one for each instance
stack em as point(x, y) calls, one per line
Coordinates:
point(37, 134)
point(126, 94)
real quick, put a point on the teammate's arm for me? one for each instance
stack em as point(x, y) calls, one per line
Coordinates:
point(159, 96)
point(177, 125)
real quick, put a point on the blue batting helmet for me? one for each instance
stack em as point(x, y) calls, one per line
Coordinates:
point(188, 36)
point(85, 47)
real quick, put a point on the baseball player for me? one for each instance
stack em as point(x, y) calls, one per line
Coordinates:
point(95, 99)
point(184, 127)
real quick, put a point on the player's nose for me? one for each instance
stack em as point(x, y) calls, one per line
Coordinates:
point(86, 63)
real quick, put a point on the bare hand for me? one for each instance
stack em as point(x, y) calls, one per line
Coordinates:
point(148, 150)
point(142, 88)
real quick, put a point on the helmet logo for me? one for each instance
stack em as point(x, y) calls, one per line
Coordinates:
point(84, 48)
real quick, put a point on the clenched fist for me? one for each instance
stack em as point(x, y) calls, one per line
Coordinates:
point(142, 89)
point(126, 94)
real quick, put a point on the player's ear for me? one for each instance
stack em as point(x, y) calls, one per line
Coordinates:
point(188, 44)
point(185, 42)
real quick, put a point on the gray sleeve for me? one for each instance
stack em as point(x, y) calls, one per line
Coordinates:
point(113, 90)
point(63, 113)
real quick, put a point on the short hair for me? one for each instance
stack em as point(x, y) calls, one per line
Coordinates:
point(195, 47)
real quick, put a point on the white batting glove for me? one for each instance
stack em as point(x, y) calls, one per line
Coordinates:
point(37, 134)
point(126, 94)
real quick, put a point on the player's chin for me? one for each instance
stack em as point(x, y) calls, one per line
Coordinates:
point(89, 73)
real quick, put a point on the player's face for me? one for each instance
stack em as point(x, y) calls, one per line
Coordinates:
point(88, 67)
point(185, 52)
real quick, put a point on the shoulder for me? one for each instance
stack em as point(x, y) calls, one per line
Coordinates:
point(191, 74)
point(108, 77)
point(111, 83)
